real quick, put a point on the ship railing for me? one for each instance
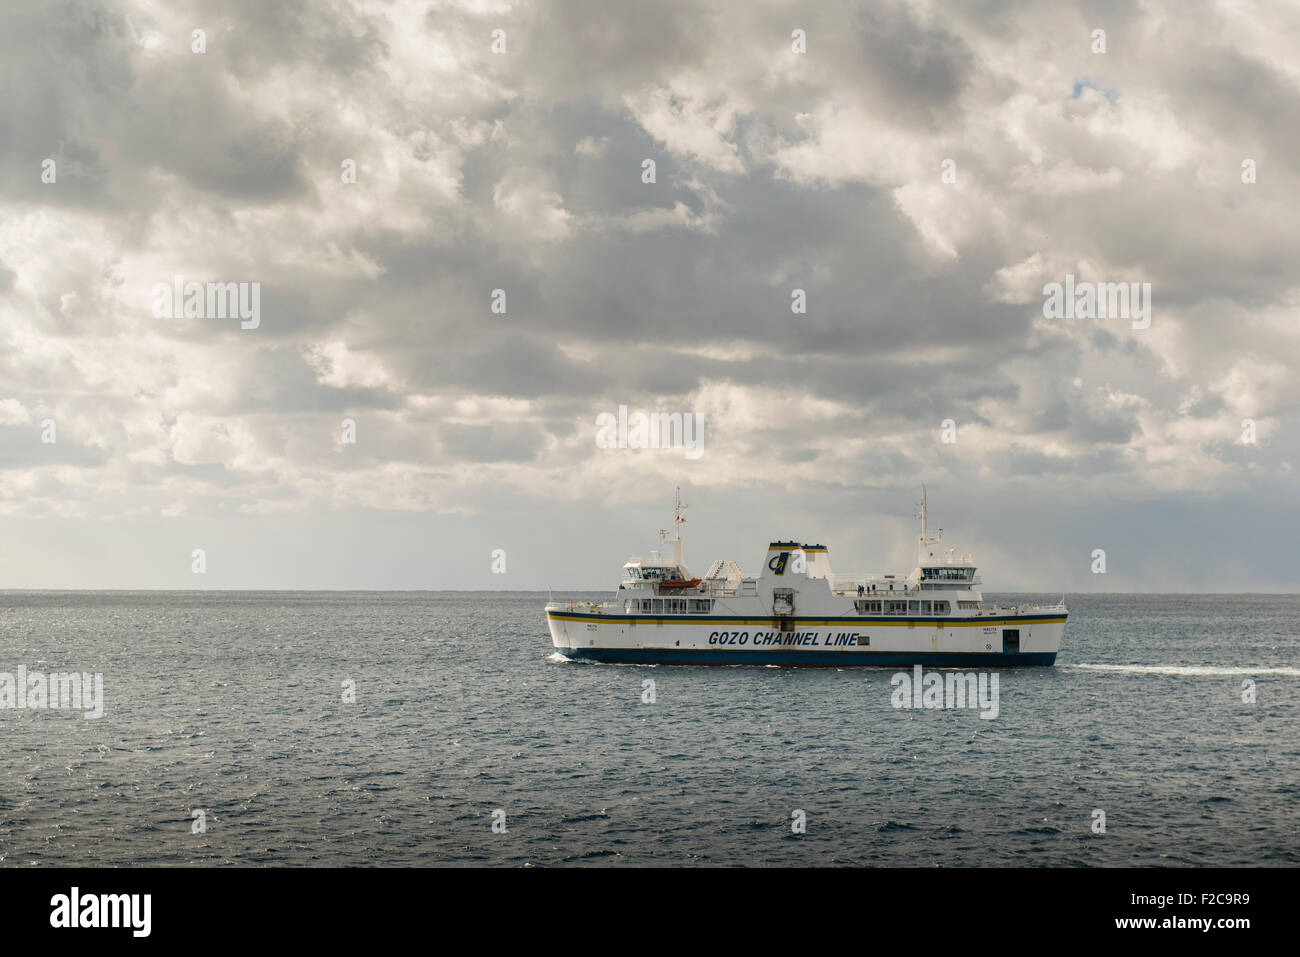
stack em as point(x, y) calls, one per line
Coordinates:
point(721, 587)
point(993, 608)
point(844, 584)
point(1024, 608)
point(586, 607)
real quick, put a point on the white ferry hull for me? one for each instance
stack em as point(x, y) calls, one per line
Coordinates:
point(1028, 639)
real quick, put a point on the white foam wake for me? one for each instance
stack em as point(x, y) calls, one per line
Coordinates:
point(1195, 671)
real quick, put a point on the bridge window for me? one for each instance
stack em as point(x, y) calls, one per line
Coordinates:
point(948, 574)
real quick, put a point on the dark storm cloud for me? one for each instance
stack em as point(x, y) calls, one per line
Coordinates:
point(914, 74)
point(86, 91)
point(1236, 92)
point(570, 43)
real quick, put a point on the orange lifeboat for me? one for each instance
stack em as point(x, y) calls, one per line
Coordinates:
point(679, 583)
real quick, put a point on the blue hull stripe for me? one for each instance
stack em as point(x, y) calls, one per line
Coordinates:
point(685, 656)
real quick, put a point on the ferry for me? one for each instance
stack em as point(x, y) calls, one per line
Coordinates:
point(797, 611)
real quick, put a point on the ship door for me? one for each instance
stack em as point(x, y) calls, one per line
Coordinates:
point(1011, 641)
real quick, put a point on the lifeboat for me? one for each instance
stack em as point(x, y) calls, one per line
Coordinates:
point(679, 583)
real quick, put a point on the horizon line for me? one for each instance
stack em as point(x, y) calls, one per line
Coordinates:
point(566, 588)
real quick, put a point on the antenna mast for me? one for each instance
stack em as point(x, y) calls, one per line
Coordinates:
point(923, 514)
point(678, 520)
point(926, 538)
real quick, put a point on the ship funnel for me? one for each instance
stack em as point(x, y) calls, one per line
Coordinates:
point(785, 560)
point(818, 561)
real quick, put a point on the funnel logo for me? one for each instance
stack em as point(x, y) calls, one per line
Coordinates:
point(777, 563)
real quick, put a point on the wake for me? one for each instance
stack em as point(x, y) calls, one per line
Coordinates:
point(1192, 671)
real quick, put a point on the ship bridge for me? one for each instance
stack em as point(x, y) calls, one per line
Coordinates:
point(948, 575)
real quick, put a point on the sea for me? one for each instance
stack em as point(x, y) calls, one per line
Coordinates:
point(305, 729)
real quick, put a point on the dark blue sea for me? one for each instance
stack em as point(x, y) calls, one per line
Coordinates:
point(231, 703)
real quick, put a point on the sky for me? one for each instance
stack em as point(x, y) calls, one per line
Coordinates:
point(835, 260)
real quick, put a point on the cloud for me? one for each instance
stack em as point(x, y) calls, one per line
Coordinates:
point(520, 171)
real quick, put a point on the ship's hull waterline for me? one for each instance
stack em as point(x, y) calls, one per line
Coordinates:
point(1019, 640)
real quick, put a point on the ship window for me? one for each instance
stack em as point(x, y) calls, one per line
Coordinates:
point(941, 608)
point(913, 607)
point(948, 574)
point(926, 608)
point(895, 608)
point(968, 605)
point(702, 604)
point(647, 605)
